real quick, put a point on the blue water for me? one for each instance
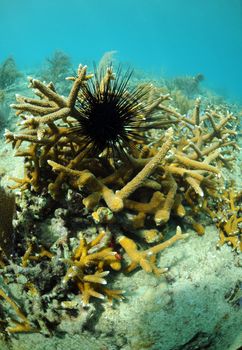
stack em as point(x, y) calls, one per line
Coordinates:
point(169, 38)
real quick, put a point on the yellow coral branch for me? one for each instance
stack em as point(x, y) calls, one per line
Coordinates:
point(143, 258)
point(138, 180)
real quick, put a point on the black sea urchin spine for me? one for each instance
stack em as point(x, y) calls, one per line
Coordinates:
point(110, 115)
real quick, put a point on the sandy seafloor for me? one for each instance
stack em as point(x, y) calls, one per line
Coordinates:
point(192, 307)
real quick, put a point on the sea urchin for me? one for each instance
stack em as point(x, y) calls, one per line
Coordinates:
point(109, 116)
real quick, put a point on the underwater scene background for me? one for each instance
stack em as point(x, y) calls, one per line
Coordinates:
point(171, 38)
point(120, 174)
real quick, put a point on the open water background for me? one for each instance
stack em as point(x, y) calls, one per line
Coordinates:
point(167, 38)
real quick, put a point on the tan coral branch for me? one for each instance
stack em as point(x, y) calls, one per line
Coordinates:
point(137, 181)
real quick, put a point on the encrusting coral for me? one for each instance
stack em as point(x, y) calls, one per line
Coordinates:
point(129, 158)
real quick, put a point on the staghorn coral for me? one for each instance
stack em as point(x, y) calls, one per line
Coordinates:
point(46, 134)
point(23, 325)
point(228, 217)
point(181, 101)
point(206, 139)
point(146, 258)
point(162, 172)
point(95, 257)
point(180, 169)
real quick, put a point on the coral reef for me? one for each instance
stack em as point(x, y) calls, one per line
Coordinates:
point(8, 73)
point(104, 203)
point(56, 67)
point(180, 169)
point(188, 85)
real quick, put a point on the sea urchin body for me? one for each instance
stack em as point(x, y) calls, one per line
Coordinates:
point(109, 116)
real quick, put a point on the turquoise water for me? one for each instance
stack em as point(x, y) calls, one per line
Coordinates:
point(169, 38)
point(173, 44)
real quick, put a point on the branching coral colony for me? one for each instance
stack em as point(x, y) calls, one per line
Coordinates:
point(135, 162)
